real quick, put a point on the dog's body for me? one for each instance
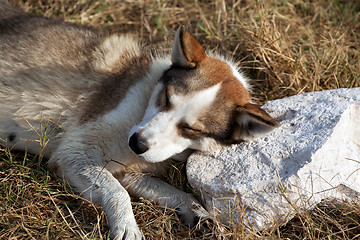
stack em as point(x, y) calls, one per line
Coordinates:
point(76, 95)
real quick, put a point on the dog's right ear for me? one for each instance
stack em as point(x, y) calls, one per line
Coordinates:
point(186, 50)
point(252, 122)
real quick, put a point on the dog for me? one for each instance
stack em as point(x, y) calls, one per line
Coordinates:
point(108, 114)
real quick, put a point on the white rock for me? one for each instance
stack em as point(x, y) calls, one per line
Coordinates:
point(313, 155)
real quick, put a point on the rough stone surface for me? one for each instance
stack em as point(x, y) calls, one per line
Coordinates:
point(313, 155)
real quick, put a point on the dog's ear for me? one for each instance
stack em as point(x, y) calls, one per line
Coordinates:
point(186, 50)
point(252, 122)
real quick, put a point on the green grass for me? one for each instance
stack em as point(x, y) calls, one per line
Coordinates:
point(286, 47)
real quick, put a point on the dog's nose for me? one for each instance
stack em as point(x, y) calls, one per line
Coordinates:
point(138, 144)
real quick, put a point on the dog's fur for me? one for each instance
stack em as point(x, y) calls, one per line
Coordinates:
point(78, 96)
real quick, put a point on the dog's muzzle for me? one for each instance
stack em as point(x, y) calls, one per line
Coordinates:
point(138, 144)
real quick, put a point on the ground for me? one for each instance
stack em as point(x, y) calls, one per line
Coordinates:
point(286, 47)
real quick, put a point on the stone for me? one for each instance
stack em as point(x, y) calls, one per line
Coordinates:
point(313, 155)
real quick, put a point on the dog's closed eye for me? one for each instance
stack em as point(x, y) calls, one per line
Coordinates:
point(190, 131)
point(164, 99)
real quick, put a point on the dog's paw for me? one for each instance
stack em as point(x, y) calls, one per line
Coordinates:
point(128, 232)
point(191, 212)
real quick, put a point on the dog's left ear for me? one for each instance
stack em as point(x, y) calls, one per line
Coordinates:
point(252, 122)
point(186, 50)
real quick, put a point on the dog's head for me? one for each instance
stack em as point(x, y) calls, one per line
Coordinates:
point(201, 102)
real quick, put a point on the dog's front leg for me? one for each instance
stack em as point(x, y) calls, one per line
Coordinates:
point(152, 188)
point(97, 184)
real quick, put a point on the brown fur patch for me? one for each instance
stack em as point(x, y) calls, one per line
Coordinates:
point(216, 71)
point(114, 88)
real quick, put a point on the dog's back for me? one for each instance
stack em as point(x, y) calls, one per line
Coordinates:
point(53, 74)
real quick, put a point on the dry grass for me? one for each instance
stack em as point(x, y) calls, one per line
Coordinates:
point(287, 47)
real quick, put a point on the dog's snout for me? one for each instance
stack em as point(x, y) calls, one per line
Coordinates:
point(138, 144)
